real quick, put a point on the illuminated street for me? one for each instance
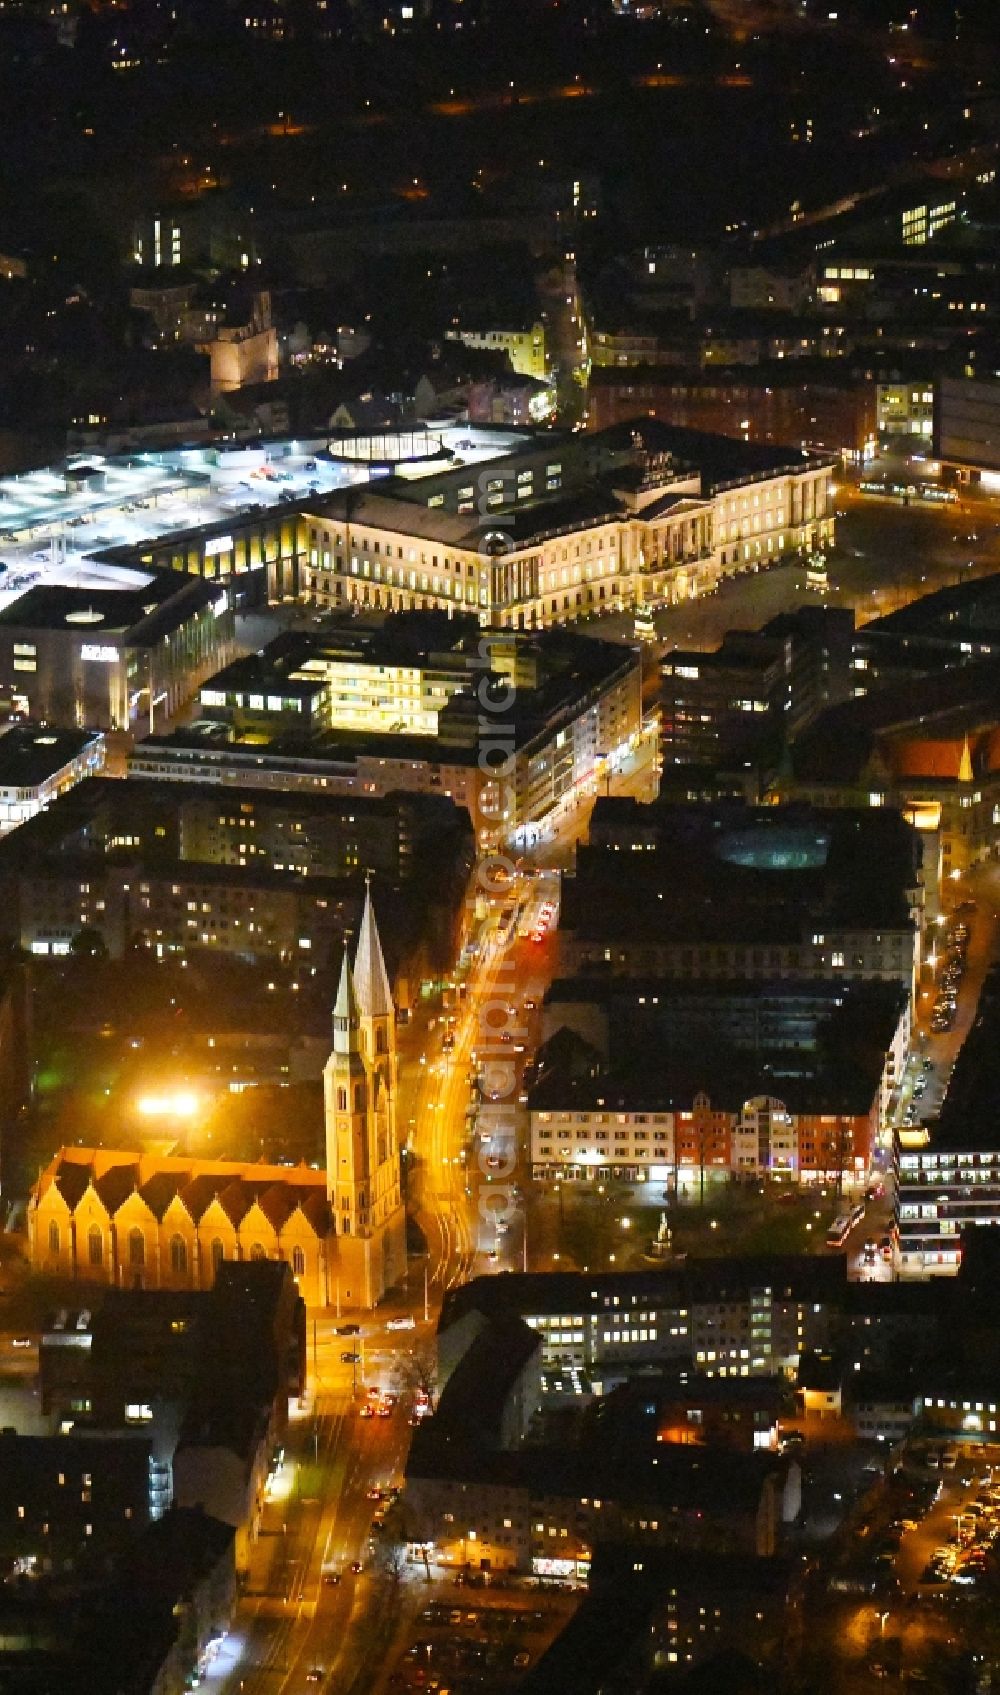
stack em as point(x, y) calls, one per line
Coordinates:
point(499, 847)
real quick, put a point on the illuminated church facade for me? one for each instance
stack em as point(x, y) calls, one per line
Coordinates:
point(133, 1220)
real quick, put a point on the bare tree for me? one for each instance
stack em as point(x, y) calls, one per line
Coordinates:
point(416, 1371)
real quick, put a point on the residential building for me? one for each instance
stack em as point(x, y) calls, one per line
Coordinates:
point(672, 1084)
point(206, 1377)
point(525, 345)
point(478, 1496)
point(165, 295)
point(71, 1502)
point(739, 1317)
point(925, 744)
point(112, 1363)
point(882, 1407)
point(715, 1412)
point(765, 288)
point(185, 1566)
point(524, 401)
point(906, 409)
point(653, 1612)
point(811, 404)
point(261, 874)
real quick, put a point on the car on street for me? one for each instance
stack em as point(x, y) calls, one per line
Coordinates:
point(407, 1322)
point(350, 1358)
point(348, 1330)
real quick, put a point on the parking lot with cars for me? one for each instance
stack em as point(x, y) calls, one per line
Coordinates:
point(951, 1548)
point(480, 1647)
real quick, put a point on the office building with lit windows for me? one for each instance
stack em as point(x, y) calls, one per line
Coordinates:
point(121, 653)
point(375, 712)
point(37, 764)
point(967, 429)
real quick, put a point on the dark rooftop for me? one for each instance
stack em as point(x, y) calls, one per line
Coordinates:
point(601, 1641)
point(141, 613)
point(956, 701)
point(28, 754)
point(474, 1395)
point(821, 1050)
point(728, 873)
point(532, 1294)
point(722, 460)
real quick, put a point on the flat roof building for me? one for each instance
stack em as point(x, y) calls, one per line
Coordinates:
point(729, 890)
point(123, 652)
point(37, 764)
point(523, 528)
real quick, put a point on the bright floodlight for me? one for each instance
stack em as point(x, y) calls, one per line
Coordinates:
point(182, 1104)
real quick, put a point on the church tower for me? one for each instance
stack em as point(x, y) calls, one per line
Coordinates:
point(362, 1151)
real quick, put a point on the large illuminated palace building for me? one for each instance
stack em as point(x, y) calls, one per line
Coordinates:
point(523, 528)
point(135, 1221)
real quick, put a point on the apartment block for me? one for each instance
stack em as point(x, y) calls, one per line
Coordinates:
point(671, 1084)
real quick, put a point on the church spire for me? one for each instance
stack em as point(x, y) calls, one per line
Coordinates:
point(965, 774)
point(345, 1011)
point(371, 979)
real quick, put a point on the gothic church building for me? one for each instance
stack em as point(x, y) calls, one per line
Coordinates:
point(133, 1220)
